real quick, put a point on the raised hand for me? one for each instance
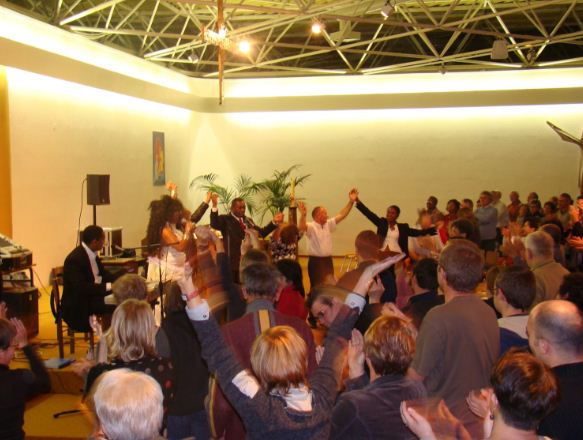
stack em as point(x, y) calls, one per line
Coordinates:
point(356, 355)
point(278, 218)
point(96, 326)
point(390, 309)
point(215, 199)
point(365, 281)
point(302, 208)
point(21, 336)
point(353, 195)
point(208, 196)
point(3, 310)
point(418, 424)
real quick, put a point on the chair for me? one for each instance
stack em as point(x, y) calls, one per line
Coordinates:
point(57, 282)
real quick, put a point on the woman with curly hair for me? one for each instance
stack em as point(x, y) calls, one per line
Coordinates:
point(169, 235)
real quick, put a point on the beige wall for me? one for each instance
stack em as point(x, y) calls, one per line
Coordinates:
point(5, 182)
point(398, 138)
point(60, 133)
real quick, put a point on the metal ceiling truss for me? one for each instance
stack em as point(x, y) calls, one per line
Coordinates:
point(420, 36)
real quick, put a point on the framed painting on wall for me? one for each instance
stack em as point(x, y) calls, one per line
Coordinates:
point(158, 158)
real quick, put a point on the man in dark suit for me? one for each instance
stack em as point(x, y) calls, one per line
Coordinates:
point(394, 238)
point(85, 281)
point(233, 227)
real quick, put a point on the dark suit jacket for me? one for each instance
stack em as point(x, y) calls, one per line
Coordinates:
point(233, 236)
point(81, 296)
point(382, 225)
point(197, 215)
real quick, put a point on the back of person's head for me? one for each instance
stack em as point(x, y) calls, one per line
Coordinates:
point(464, 226)
point(526, 389)
point(253, 256)
point(289, 234)
point(128, 405)
point(465, 214)
point(532, 222)
point(540, 244)
point(7, 333)
point(173, 301)
point(560, 323)
point(462, 263)
point(132, 332)
point(456, 203)
point(425, 272)
point(292, 271)
point(389, 344)
point(261, 279)
point(468, 202)
point(490, 277)
point(518, 286)
point(554, 231)
point(367, 245)
point(279, 358)
point(90, 233)
point(130, 286)
point(572, 289)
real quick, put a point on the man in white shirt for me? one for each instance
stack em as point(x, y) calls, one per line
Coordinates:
point(319, 236)
point(85, 281)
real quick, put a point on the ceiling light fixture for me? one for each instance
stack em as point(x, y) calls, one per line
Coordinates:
point(193, 58)
point(388, 9)
point(244, 46)
point(317, 27)
point(499, 50)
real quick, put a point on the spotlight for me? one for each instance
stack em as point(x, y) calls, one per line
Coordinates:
point(222, 31)
point(388, 9)
point(193, 58)
point(499, 50)
point(317, 27)
point(244, 46)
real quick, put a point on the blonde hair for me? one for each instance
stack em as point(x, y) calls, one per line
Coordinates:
point(128, 405)
point(132, 332)
point(389, 344)
point(279, 357)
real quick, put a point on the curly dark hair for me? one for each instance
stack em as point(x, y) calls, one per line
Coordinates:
point(160, 212)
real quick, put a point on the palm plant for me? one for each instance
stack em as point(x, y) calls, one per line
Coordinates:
point(274, 192)
point(243, 188)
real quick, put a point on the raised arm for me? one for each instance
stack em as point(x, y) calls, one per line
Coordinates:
point(346, 210)
point(375, 219)
point(37, 379)
point(216, 220)
point(303, 226)
point(197, 215)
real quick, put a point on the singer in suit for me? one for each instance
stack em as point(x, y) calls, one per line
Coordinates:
point(85, 281)
point(233, 226)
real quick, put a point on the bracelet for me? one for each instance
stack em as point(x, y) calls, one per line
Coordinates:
point(191, 295)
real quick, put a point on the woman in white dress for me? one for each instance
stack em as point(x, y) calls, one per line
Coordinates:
point(172, 246)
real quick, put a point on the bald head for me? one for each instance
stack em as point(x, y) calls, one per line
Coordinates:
point(560, 324)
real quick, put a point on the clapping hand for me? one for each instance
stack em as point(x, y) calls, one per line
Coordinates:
point(302, 208)
point(356, 355)
point(96, 326)
point(278, 218)
point(21, 335)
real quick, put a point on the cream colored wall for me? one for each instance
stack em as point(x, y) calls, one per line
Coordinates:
point(399, 156)
point(60, 132)
point(474, 131)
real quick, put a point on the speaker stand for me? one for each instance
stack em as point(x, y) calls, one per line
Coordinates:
point(95, 215)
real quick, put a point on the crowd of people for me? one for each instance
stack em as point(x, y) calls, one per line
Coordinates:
point(411, 350)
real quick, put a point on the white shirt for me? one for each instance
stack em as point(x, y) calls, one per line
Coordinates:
point(502, 214)
point(93, 261)
point(516, 324)
point(320, 238)
point(392, 240)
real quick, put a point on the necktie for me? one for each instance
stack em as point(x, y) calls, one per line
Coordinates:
point(243, 227)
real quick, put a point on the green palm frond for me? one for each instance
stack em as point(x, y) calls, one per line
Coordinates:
point(275, 192)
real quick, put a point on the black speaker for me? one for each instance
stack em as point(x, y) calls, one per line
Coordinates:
point(98, 189)
point(22, 303)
